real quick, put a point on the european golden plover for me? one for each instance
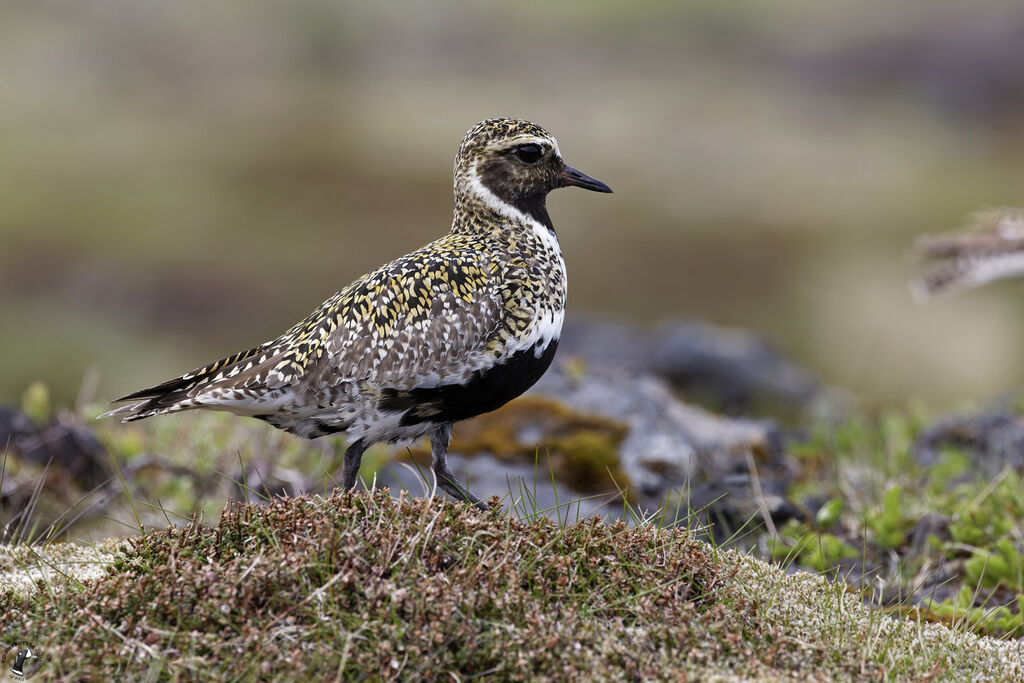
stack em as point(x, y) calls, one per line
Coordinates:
point(449, 331)
point(991, 248)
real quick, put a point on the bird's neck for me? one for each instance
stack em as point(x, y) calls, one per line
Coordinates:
point(475, 197)
point(483, 211)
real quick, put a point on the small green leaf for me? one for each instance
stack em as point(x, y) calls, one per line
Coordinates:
point(829, 513)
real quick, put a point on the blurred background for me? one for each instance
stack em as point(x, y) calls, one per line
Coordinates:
point(180, 180)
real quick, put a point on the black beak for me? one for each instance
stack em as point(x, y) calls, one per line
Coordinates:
point(570, 176)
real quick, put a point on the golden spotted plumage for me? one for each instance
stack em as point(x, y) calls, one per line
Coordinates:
point(453, 329)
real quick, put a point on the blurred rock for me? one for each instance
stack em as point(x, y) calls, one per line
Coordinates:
point(14, 425)
point(931, 524)
point(733, 504)
point(964, 62)
point(727, 370)
point(63, 444)
point(607, 428)
point(659, 449)
point(728, 471)
point(993, 440)
point(734, 370)
point(531, 488)
point(46, 472)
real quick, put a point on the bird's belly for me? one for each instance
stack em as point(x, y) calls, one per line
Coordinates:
point(374, 413)
point(487, 389)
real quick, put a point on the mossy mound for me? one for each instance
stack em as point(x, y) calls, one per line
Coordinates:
point(367, 587)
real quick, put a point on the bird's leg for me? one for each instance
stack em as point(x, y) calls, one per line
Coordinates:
point(350, 470)
point(439, 439)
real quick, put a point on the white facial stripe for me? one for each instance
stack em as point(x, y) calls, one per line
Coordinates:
point(492, 200)
point(546, 237)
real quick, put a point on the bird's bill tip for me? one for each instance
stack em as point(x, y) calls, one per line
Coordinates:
point(571, 177)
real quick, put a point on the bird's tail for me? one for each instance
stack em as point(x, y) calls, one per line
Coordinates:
point(180, 393)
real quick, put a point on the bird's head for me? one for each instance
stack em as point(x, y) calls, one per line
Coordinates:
point(512, 163)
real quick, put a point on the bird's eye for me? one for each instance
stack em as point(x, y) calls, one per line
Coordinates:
point(529, 154)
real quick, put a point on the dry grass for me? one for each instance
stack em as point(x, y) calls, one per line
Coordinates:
point(364, 586)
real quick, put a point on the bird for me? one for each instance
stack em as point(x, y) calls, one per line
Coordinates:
point(449, 331)
point(18, 667)
point(990, 248)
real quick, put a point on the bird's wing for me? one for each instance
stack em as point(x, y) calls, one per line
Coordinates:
point(422, 320)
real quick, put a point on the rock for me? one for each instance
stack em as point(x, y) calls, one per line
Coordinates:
point(678, 457)
point(47, 470)
point(670, 444)
point(733, 503)
point(727, 370)
point(929, 525)
point(731, 370)
point(993, 440)
point(603, 430)
point(520, 484)
point(659, 450)
point(63, 444)
point(14, 425)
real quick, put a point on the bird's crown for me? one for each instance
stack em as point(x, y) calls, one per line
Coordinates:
point(499, 133)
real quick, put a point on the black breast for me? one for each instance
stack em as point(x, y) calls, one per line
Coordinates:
point(486, 390)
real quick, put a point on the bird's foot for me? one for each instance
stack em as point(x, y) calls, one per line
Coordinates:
point(447, 481)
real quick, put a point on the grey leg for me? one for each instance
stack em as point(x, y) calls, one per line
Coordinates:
point(350, 471)
point(439, 439)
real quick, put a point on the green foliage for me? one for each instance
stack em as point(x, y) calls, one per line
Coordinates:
point(1005, 620)
point(829, 513)
point(817, 550)
point(36, 402)
point(990, 512)
point(877, 492)
point(890, 522)
point(999, 566)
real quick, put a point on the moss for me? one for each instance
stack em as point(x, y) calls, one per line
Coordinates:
point(361, 584)
point(587, 460)
point(583, 448)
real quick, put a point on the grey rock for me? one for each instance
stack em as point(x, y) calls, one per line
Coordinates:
point(671, 445)
point(725, 369)
point(526, 488)
point(931, 524)
point(659, 450)
point(734, 370)
point(993, 440)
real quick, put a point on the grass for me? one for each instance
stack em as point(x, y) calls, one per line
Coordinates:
point(357, 585)
point(365, 586)
point(942, 540)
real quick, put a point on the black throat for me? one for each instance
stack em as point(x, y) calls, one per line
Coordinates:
point(535, 207)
